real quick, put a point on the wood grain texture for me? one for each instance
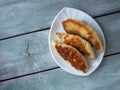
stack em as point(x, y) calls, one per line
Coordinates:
point(25, 54)
point(106, 77)
point(30, 53)
point(21, 16)
point(111, 27)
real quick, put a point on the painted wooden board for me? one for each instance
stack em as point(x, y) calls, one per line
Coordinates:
point(105, 78)
point(30, 53)
point(20, 16)
point(111, 27)
point(25, 54)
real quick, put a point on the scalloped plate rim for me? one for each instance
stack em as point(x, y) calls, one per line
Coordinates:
point(49, 40)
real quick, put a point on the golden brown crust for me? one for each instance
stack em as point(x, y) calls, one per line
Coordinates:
point(80, 28)
point(79, 43)
point(72, 55)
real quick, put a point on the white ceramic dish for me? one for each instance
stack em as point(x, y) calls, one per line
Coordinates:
point(56, 26)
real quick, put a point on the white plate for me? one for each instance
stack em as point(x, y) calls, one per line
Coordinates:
point(56, 26)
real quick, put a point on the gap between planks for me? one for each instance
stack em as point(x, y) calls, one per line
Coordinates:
point(49, 27)
point(44, 70)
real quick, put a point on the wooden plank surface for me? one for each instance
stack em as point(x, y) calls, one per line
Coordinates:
point(106, 77)
point(21, 16)
point(25, 54)
point(111, 27)
point(30, 53)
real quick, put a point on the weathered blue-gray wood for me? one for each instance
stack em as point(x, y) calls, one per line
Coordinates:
point(30, 53)
point(111, 27)
point(106, 77)
point(25, 54)
point(20, 16)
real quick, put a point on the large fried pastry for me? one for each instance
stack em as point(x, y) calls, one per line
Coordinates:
point(71, 55)
point(79, 43)
point(82, 29)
